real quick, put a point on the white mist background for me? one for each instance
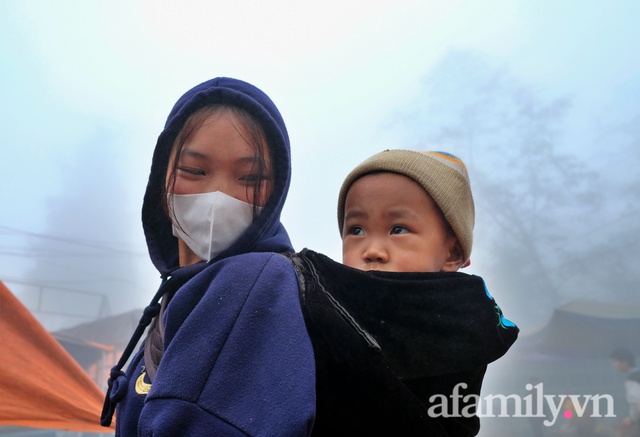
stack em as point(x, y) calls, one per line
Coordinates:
point(85, 88)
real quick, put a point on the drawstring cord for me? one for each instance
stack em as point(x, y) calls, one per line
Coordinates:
point(117, 383)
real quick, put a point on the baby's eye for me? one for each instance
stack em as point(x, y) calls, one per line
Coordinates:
point(399, 230)
point(356, 230)
point(191, 171)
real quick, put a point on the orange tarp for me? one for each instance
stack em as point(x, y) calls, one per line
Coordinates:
point(41, 385)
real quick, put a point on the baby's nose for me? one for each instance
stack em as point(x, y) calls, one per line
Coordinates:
point(375, 253)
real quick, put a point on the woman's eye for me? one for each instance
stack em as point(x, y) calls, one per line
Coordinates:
point(191, 171)
point(398, 230)
point(356, 230)
point(250, 178)
point(254, 179)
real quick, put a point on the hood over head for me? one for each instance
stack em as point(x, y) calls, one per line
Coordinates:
point(266, 233)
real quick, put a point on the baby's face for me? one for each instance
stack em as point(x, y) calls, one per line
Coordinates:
point(392, 224)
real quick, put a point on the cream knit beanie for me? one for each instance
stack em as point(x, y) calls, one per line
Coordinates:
point(441, 174)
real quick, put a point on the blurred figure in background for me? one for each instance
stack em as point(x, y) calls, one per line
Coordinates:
point(624, 361)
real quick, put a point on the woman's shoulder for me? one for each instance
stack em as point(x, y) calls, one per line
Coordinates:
point(235, 277)
point(255, 261)
point(226, 286)
point(248, 270)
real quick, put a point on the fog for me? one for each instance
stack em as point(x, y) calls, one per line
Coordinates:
point(540, 100)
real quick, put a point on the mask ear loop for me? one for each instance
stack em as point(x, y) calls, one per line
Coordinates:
point(117, 383)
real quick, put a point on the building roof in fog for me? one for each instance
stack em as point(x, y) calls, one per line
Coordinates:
point(108, 331)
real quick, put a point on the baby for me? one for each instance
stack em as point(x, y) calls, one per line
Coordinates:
point(401, 339)
point(407, 211)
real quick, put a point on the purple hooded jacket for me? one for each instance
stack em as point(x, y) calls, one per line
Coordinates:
point(237, 358)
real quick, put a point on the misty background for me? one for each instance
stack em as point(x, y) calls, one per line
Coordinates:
point(540, 99)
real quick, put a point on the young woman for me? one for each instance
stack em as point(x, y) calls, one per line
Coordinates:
point(228, 354)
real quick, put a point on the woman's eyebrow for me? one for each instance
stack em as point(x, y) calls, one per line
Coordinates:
point(193, 153)
point(249, 159)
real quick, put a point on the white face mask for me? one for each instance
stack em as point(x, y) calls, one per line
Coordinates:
point(210, 222)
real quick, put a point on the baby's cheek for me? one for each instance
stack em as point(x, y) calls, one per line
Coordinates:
point(349, 258)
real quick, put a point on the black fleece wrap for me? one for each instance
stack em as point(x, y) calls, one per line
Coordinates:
point(386, 342)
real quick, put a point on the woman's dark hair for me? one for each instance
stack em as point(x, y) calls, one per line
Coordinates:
point(247, 123)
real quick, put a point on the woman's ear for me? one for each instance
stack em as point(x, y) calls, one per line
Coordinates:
point(455, 258)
